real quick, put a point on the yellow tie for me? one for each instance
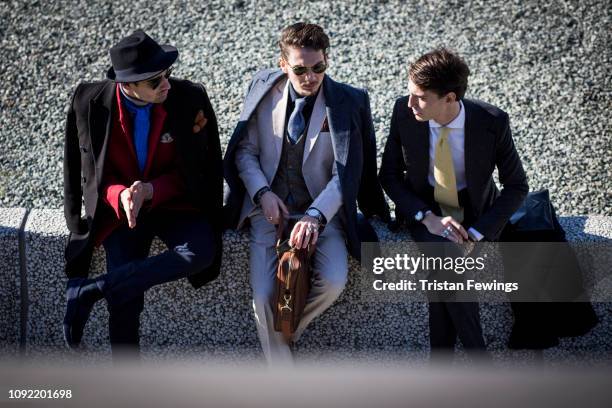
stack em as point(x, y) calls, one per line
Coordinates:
point(445, 190)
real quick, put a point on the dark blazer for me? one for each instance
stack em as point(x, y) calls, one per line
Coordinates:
point(352, 134)
point(488, 144)
point(88, 129)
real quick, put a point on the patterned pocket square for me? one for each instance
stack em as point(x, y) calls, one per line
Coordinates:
point(325, 127)
point(166, 138)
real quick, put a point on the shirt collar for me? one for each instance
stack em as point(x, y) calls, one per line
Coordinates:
point(133, 103)
point(293, 95)
point(457, 123)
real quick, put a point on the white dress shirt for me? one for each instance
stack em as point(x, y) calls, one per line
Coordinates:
point(456, 140)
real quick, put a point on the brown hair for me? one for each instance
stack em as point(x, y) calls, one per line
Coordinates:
point(303, 35)
point(440, 71)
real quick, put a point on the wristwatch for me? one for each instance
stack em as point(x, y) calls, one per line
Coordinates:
point(314, 213)
point(259, 194)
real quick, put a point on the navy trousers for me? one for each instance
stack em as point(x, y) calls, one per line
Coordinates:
point(449, 319)
point(188, 237)
point(453, 318)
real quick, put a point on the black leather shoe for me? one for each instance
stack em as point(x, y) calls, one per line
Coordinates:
point(81, 295)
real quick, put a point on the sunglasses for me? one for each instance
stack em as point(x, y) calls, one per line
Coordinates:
point(318, 68)
point(154, 82)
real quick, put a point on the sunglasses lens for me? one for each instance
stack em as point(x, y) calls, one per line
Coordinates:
point(154, 83)
point(299, 70)
point(319, 68)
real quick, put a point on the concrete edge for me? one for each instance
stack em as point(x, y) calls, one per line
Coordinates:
point(23, 288)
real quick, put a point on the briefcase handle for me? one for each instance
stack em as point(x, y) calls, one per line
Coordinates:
point(283, 232)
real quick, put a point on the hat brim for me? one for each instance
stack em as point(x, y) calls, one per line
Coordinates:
point(161, 61)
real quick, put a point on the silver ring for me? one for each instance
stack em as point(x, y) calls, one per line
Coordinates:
point(270, 218)
point(445, 233)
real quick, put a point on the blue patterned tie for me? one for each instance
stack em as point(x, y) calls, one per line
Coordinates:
point(296, 124)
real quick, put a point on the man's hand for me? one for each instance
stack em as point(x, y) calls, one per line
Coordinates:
point(199, 122)
point(132, 199)
point(272, 206)
point(305, 231)
point(446, 227)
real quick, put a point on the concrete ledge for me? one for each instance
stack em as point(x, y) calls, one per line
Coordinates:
point(11, 220)
point(217, 320)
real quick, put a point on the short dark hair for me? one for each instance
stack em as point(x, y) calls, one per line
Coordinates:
point(303, 35)
point(440, 71)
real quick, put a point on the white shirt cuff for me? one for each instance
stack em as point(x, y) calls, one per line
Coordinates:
point(477, 235)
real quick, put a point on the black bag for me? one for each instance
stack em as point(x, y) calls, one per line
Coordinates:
point(536, 214)
point(538, 325)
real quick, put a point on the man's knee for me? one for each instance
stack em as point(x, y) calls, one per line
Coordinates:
point(262, 294)
point(197, 256)
point(334, 286)
point(332, 276)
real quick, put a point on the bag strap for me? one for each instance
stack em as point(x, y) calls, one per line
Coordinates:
point(282, 231)
point(280, 228)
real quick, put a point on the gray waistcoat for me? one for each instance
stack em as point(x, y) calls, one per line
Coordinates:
point(288, 183)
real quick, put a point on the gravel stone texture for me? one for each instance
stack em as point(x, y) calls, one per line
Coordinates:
point(10, 279)
point(216, 321)
point(545, 62)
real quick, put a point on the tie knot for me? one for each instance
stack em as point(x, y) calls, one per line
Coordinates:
point(300, 103)
point(443, 135)
point(444, 131)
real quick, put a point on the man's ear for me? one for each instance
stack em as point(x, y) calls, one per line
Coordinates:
point(282, 64)
point(129, 86)
point(451, 97)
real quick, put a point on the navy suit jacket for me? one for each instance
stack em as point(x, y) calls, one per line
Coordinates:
point(488, 144)
point(354, 143)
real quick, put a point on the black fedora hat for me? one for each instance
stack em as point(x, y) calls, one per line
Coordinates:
point(138, 57)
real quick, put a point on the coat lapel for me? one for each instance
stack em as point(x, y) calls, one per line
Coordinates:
point(338, 119)
point(314, 127)
point(415, 136)
point(127, 126)
point(259, 89)
point(420, 145)
point(158, 116)
point(473, 132)
point(178, 122)
point(279, 111)
point(100, 124)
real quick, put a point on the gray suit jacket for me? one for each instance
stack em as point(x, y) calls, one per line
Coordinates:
point(336, 182)
point(259, 152)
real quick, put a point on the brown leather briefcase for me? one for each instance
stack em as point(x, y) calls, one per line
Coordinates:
point(293, 276)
